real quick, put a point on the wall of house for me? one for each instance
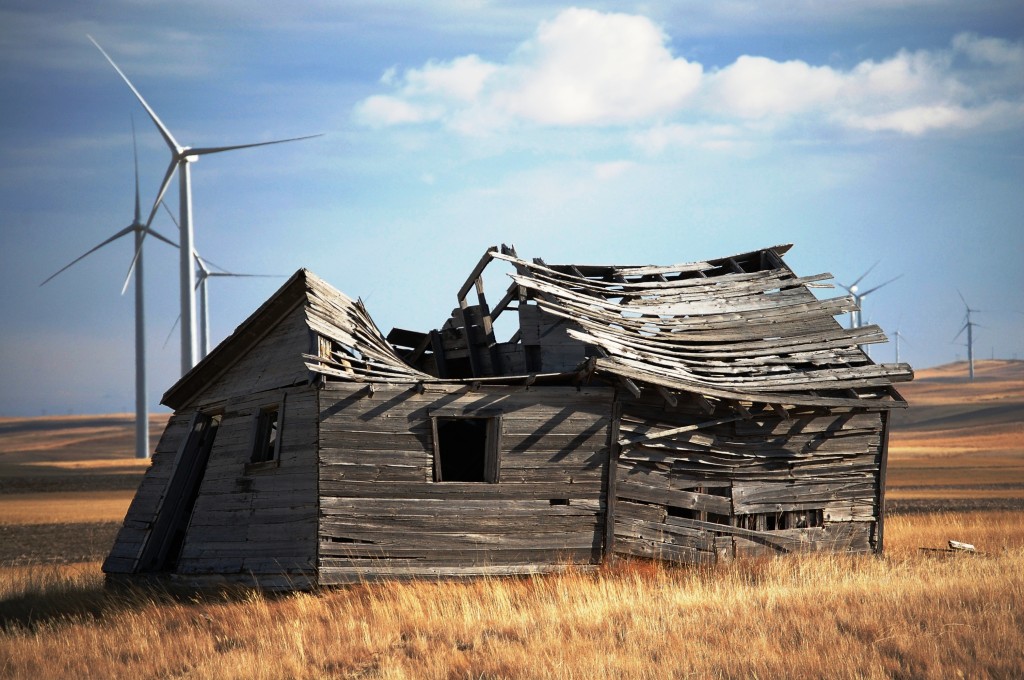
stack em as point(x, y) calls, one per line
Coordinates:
point(249, 521)
point(751, 486)
point(382, 513)
point(258, 518)
point(255, 522)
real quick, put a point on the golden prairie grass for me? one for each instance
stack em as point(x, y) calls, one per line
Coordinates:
point(65, 507)
point(907, 614)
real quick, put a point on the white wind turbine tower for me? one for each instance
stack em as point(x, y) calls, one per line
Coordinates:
point(898, 336)
point(969, 327)
point(858, 297)
point(140, 230)
point(181, 157)
point(203, 272)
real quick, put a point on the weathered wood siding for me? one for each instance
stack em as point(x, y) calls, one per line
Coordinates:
point(131, 539)
point(252, 520)
point(381, 513)
point(546, 341)
point(275, 361)
point(258, 519)
point(744, 487)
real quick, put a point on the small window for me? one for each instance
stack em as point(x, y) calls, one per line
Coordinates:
point(268, 440)
point(466, 449)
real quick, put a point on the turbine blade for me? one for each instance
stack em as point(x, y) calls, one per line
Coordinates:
point(135, 155)
point(258, 276)
point(175, 325)
point(160, 195)
point(872, 290)
point(962, 298)
point(201, 263)
point(218, 149)
point(170, 214)
point(157, 235)
point(865, 274)
point(126, 230)
point(135, 258)
point(164, 132)
point(962, 329)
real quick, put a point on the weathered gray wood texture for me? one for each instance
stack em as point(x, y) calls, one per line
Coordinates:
point(253, 520)
point(274, 361)
point(258, 519)
point(734, 488)
point(382, 515)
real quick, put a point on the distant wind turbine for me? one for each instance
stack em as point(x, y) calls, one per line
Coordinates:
point(969, 327)
point(181, 157)
point(898, 336)
point(858, 297)
point(203, 272)
point(140, 230)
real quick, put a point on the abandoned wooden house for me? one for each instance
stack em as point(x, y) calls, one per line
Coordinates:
point(693, 413)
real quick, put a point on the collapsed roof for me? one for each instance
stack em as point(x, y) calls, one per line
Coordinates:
point(739, 328)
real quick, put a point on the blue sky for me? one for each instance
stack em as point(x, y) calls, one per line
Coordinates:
point(882, 131)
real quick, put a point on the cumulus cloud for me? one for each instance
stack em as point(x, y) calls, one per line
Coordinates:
point(581, 68)
point(585, 68)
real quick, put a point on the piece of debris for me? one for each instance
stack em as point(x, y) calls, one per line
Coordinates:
point(962, 547)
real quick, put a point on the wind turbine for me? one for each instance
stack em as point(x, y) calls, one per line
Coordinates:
point(203, 272)
point(898, 336)
point(140, 230)
point(969, 327)
point(858, 297)
point(181, 157)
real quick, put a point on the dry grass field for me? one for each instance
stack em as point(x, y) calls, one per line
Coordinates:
point(956, 472)
point(909, 614)
point(960, 444)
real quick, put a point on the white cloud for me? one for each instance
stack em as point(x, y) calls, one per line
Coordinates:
point(612, 169)
point(585, 68)
point(989, 50)
point(755, 87)
point(383, 110)
point(460, 79)
point(581, 68)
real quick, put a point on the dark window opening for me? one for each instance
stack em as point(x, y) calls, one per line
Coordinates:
point(685, 513)
point(558, 501)
point(777, 521)
point(266, 444)
point(466, 449)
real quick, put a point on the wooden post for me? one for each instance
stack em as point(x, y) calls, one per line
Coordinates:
point(613, 464)
point(879, 543)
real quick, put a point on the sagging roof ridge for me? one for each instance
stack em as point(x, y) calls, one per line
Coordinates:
point(689, 343)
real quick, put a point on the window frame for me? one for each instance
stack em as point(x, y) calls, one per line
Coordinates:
point(258, 443)
point(492, 443)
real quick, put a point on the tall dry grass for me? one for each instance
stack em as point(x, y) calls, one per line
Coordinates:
point(908, 614)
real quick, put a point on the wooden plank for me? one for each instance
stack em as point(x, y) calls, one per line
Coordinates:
point(635, 491)
point(611, 481)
